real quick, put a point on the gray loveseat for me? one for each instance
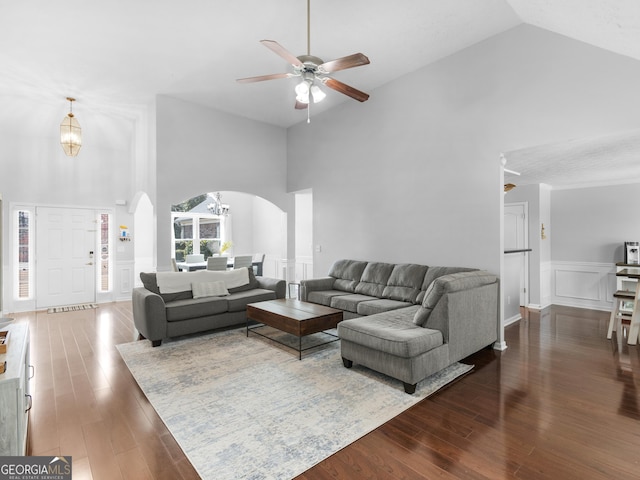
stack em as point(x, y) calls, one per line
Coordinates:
point(408, 321)
point(160, 314)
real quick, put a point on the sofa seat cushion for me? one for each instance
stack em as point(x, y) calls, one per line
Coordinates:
point(238, 301)
point(194, 308)
point(372, 307)
point(323, 297)
point(349, 302)
point(391, 332)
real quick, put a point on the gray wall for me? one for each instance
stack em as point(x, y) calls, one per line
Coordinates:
point(412, 175)
point(203, 150)
point(591, 224)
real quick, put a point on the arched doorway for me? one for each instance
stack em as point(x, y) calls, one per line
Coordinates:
point(248, 224)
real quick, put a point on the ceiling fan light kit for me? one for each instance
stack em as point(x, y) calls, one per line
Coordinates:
point(313, 71)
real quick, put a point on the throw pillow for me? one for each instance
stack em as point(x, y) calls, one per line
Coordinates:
point(149, 282)
point(209, 289)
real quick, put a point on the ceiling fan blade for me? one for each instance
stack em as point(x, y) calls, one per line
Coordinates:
point(283, 52)
point(262, 78)
point(301, 106)
point(355, 60)
point(338, 86)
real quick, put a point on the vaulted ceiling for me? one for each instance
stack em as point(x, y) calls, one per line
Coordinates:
point(123, 52)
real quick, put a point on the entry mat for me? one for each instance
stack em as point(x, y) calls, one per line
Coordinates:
point(72, 308)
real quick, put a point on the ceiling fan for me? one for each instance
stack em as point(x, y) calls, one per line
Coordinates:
point(313, 71)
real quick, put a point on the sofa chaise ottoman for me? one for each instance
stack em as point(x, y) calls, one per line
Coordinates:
point(408, 321)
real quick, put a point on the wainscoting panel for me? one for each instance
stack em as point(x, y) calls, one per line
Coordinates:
point(124, 280)
point(583, 284)
point(272, 267)
point(303, 268)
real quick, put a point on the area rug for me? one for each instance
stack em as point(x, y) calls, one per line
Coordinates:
point(247, 408)
point(72, 308)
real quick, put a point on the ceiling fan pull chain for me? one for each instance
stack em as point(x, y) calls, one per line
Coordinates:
point(308, 27)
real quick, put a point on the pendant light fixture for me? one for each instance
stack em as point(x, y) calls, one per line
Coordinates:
point(70, 132)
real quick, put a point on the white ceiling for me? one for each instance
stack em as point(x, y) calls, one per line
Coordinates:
point(604, 160)
point(124, 52)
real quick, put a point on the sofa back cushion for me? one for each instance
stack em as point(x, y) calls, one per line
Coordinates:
point(405, 282)
point(347, 274)
point(172, 282)
point(444, 284)
point(436, 272)
point(150, 282)
point(179, 284)
point(374, 279)
point(253, 283)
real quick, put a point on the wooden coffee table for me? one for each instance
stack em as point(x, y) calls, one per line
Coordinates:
point(295, 317)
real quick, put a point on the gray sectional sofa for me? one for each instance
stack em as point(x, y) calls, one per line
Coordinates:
point(221, 298)
point(408, 321)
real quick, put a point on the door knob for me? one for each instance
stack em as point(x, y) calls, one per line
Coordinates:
point(90, 263)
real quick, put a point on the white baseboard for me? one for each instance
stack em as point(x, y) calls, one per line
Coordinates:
point(568, 303)
point(537, 306)
point(510, 320)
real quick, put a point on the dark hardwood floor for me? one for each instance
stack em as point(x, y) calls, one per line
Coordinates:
point(561, 402)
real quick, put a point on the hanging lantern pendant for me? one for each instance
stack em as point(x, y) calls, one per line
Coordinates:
point(70, 132)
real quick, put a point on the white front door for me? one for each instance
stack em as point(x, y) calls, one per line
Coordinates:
point(65, 260)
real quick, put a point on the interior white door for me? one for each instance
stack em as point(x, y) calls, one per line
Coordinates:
point(515, 238)
point(65, 264)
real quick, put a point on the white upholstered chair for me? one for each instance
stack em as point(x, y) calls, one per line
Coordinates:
point(217, 263)
point(241, 261)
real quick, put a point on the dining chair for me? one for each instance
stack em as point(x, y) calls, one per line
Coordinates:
point(241, 261)
point(174, 265)
point(194, 258)
point(258, 262)
point(217, 263)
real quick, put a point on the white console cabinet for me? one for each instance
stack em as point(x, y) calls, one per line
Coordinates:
point(15, 398)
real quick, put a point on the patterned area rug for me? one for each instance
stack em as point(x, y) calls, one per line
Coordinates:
point(247, 408)
point(71, 308)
